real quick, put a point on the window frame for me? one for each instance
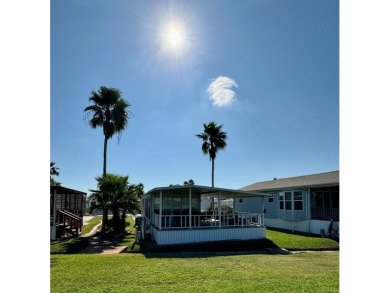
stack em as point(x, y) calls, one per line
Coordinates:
point(271, 197)
point(283, 202)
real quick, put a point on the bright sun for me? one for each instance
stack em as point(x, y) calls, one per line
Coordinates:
point(175, 37)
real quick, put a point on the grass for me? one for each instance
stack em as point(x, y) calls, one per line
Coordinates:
point(74, 245)
point(275, 238)
point(91, 223)
point(306, 272)
point(300, 241)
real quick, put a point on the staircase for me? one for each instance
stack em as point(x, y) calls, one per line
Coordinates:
point(68, 223)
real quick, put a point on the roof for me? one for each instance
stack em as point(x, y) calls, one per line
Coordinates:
point(65, 190)
point(209, 191)
point(321, 179)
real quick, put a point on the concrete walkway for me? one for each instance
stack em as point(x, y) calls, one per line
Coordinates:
point(93, 231)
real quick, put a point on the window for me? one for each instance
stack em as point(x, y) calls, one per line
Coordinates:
point(240, 200)
point(281, 200)
point(291, 200)
point(271, 197)
point(287, 201)
point(298, 201)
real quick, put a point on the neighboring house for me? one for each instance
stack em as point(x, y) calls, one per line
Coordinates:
point(67, 208)
point(91, 201)
point(303, 203)
point(173, 215)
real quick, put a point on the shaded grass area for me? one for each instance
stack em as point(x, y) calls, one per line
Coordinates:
point(74, 245)
point(225, 246)
point(306, 272)
point(275, 238)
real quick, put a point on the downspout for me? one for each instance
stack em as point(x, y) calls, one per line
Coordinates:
point(190, 209)
point(160, 215)
point(219, 208)
point(308, 211)
point(262, 222)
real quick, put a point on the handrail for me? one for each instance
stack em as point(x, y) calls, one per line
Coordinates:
point(209, 221)
point(70, 214)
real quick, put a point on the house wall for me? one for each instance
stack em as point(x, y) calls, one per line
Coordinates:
point(273, 210)
point(251, 205)
point(181, 236)
point(316, 226)
point(292, 225)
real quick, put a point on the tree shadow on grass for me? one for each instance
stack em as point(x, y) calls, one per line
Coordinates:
point(67, 246)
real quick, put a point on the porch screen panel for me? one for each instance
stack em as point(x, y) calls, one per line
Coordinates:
point(195, 206)
point(184, 206)
point(156, 205)
point(176, 205)
point(167, 205)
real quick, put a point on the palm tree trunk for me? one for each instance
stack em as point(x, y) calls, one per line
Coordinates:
point(105, 156)
point(212, 172)
point(123, 220)
point(105, 218)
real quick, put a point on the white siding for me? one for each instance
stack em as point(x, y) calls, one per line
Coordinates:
point(311, 226)
point(317, 225)
point(295, 225)
point(203, 235)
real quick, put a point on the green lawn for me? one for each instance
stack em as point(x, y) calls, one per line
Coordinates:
point(300, 241)
point(91, 223)
point(158, 272)
point(75, 245)
point(275, 238)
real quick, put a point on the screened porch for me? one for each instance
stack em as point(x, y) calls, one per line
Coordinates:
point(198, 208)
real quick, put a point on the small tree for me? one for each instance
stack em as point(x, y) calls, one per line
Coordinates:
point(189, 182)
point(54, 172)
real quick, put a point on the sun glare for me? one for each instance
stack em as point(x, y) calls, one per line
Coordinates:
point(175, 37)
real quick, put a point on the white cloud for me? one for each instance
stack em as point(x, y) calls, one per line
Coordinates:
point(220, 91)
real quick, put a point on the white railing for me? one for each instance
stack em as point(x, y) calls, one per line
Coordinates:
point(209, 221)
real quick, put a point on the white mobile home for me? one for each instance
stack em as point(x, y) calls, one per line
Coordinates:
point(174, 215)
point(305, 203)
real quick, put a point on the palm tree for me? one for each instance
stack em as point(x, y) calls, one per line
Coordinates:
point(131, 202)
point(109, 111)
point(54, 172)
point(115, 194)
point(103, 196)
point(214, 140)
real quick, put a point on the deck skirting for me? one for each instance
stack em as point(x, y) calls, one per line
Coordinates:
point(181, 236)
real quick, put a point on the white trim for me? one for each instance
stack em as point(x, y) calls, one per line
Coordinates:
point(283, 193)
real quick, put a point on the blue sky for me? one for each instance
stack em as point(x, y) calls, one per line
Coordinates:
point(282, 55)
